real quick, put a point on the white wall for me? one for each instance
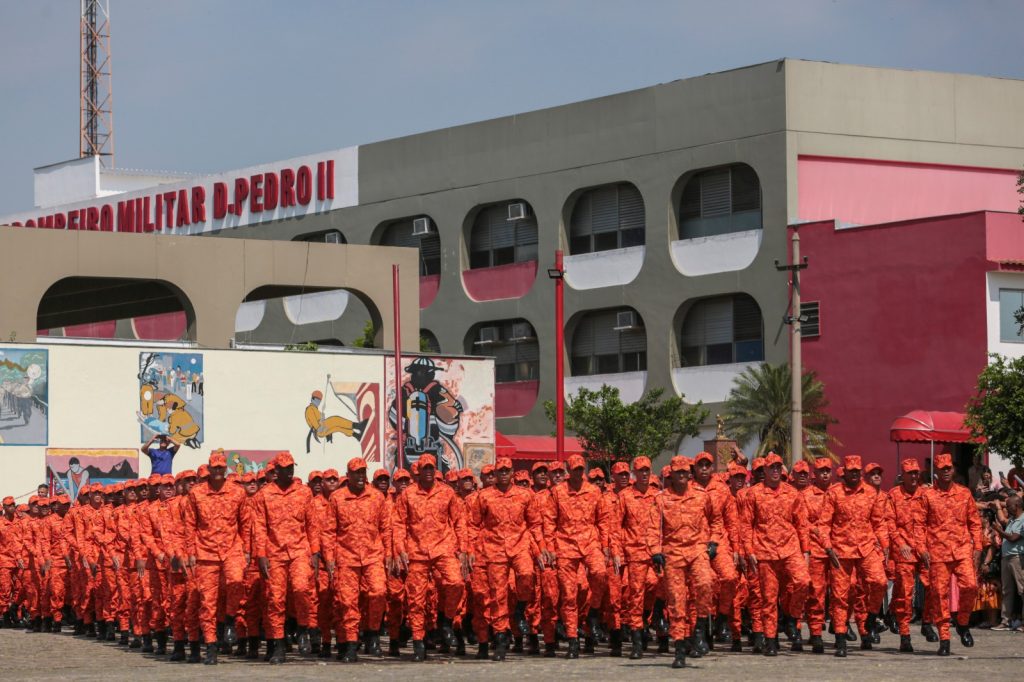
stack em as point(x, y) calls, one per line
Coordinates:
point(995, 282)
point(604, 268)
point(718, 253)
point(62, 183)
point(630, 384)
point(709, 383)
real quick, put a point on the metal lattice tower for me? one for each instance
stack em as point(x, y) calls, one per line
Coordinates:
point(96, 112)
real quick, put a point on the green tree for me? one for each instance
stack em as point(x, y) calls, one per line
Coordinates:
point(366, 340)
point(308, 346)
point(611, 430)
point(996, 411)
point(760, 406)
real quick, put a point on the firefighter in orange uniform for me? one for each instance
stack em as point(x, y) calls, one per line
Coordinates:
point(635, 505)
point(396, 578)
point(506, 518)
point(547, 591)
point(356, 540)
point(818, 565)
point(950, 546)
point(215, 517)
point(430, 542)
point(10, 558)
point(682, 524)
point(754, 601)
point(853, 530)
point(906, 525)
point(777, 547)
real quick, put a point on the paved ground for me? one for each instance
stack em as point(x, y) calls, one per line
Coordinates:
point(996, 655)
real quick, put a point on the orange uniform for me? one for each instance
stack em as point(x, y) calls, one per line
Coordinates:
point(213, 521)
point(853, 525)
point(680, 529)
point(356, 541)
point(777, 536)
point(58, 573)
point(10, 554)
point(952, 533)
point(287, 534)
point(727, 541)
point(906, 525)
point(818, 567)
point(509, 525)
point(161, 543)
point(429, 529)
point(634, 523)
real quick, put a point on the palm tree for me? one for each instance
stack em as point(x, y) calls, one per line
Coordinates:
point(759, 406)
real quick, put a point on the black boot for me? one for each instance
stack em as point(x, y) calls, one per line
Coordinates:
point(305, 648)
point(483, 651)
point(851, 636)
point(549, 649)
point(351, 654)
point(178, 654)
point(47, 624)
point(161, 643)
point(789, 627)
point(929, 632)
point(270, 651)
point(193, 653)
point(111, 632)
point(373, 644)
point(242, 648)
point(615, 644)
point(636, 644)
point(315, 640)
point(519, 619)
point(658, 620)
point(758, 646)
point(965, 635)
point(147, 644)
point(124, 638)
point(211, 654)
point(444, 624)
point(798, 641)
point(500, 646)
point(723, 635)
point(871, 630)
point(533, 645)
point(394, 650)
point(594, 621)
point(943, 648)
point(277, 658)
point(840, 646)
point(589, 644)
point(662, 644)
point(737, 645)
point(865, 643)
point(771, 646)
point(905, 646)
point(700, 639)
point(574, 648)
point(230, 636)
point(817, 645)
point(419, 651)
point(517, 644)
point(253, 649)
point(680, 660)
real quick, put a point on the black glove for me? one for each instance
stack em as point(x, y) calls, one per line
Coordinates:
point(659, 562)
point(712, 550)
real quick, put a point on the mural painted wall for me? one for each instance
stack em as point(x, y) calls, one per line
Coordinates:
point(23, 396)
point(325, 408)
point(68, 470)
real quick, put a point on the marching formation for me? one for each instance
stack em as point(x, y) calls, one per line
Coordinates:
point(527, 561)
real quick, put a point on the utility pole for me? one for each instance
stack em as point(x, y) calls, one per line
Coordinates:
point(557, 273)
point(95, 112)
point(795, 319)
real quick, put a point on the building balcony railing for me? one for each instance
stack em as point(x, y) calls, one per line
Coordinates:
point(631, 385)
point(707, 383)
point(604, 268)
point(500, 282)
point(716, 253)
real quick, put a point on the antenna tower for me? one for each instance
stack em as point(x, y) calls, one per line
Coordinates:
point(96, 112)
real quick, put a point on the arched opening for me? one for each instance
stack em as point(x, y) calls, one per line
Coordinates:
point(291, 314)
point(513, 345)
point(501, 241)
point(322, 237)
point(606, 218)
point(610, 341)
point(419, 233)
point(429, 342)
point(113, 307)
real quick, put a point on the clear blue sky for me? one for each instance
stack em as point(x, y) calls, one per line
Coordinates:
point(211, 85)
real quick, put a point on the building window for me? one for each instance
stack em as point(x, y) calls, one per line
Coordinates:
point(323, 237)
point(417, 233)
point(722, 330)
point(605, 218)
point(811, 326)
point(720, 201)
point(609, 342)
point(513, 344)
point(429, 342)
point(1010, 302)
point(502, 234)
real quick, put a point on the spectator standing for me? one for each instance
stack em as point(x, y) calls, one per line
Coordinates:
point(161, 456)
point(1011, 569)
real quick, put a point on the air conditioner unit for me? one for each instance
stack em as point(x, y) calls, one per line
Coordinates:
point(420, 227)
point(518, 210)
point(522, 331)
point(333, 237)
point(489, 335)
point(626, 320)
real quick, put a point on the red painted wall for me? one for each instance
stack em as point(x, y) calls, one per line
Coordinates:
point(429, 284)
point(870, 191)
point(162, 327)
point(502, 281)
point(903, 322)
point(95, 330)
point(514, 398)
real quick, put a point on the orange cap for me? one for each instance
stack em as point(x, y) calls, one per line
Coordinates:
point(204, 471)
point(851, 463)
point(537, 466)
point(218, 459)
point(22, 507)
point(823, 463)
point(576, 462)
point(503, 463)
point(623, 468)
point(910, 464)
point(63, 499)
point(317, 394)
point(284, 459)
point(154, 479)
point(381, 473)
point(331, 473)
point(736, 470)
point(803, 466)
point(704, 455)
point(355, 464)
point(758, 463)
point(8, 500)
point(314, 474)
point(679, 463)
point(451, 476)
point(248, 477)
point(34, 499)
point(596, 472)
point(182, 475)
point(640, 462)
point(557, 466)
point(839, 471)
point(487, 469)
point(167, 479)
point(270, 466)
point(400, 474)
point(521, 475)
point(872, 466)
point(427, 460)
point(771, 459)
point(943, 460)
point(666, 471)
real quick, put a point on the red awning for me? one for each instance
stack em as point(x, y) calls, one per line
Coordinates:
point(538, 448)
point(922, 426)
point(503, 447)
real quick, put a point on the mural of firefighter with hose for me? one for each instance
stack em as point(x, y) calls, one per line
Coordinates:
point(347, 409)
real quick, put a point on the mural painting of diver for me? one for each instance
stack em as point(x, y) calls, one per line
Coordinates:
point(431, 417)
